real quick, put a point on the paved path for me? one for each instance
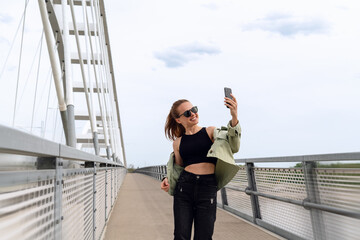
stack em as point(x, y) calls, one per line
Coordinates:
point(144, 212)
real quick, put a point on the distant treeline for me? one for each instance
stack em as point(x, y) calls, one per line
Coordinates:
point(332, 165)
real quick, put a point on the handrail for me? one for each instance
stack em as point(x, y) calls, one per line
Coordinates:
point(302, 158)
point(50, 188)
point(328, 196)
point(306, 204)
point(22, 143)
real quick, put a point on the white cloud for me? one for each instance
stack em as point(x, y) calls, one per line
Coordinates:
point(211, 6)
point(178, 56)
point(11, 68)
point(287, 25)
point(4, 40)
point(4, 18)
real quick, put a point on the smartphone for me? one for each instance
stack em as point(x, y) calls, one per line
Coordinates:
point(227, 93)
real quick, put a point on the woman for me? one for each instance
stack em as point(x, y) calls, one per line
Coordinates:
point(198, 158)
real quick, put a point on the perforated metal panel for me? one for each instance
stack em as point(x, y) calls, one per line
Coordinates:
point(108, 192)
point(27, 212)
point(292, 218)
point(52, 197)
point(287, 183)
point(281, 182)
point(306, 203)
point(113, 186)
point(77, 204)
point(340, 188)
point(115, 183)
point(218, 197)
point(340, 227)
point(237, 200)
point(100, 203)
point(121, 172)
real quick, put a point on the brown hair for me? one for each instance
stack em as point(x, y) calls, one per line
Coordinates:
point(173, 129)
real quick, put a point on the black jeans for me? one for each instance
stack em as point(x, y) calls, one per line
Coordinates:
point(195, 201)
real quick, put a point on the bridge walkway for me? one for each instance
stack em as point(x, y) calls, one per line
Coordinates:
point(142, 211)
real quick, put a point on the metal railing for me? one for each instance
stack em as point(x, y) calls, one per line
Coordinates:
point(52, 191)
point(309, 202)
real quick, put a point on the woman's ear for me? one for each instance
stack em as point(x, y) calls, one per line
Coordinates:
point(177, 120)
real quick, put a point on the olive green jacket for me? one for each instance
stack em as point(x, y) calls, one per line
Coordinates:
point(226, 143)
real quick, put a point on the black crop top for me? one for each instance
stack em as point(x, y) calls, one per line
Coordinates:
point(194, 148)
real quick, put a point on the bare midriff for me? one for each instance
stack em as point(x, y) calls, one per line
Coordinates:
point(201, 168)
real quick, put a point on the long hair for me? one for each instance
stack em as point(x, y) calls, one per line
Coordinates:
point(173, 129)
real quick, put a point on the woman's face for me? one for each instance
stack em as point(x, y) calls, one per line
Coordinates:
point(192, 120)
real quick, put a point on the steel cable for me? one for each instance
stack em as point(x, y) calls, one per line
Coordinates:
point(19, 67)
point(31, 68)
point(12, 44)
point(37, 81)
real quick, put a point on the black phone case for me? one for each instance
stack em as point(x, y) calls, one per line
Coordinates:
point(227, 93)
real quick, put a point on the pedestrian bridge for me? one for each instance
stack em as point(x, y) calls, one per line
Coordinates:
point(52, 191)
point(77, 185)
point(143, 211)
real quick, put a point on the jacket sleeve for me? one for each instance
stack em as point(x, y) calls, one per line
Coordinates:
point(173, 173)
point(234, 134)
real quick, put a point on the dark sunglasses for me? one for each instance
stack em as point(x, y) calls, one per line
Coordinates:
point(188, 112)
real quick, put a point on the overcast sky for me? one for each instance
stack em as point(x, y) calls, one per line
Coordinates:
point(294, 67)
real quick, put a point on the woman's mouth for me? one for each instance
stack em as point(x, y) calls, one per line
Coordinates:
point(193, 119)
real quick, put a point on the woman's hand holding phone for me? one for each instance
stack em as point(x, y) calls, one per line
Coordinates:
point(231, 103)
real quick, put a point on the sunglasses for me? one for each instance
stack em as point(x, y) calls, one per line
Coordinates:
point(188, 112)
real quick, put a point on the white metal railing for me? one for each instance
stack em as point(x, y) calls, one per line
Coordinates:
point(78, 45)
point(76, 103)
point(52, 191)
point(309, 202)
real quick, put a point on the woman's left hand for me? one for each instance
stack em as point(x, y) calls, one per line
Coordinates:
point(165, 185)
point(232, 104)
